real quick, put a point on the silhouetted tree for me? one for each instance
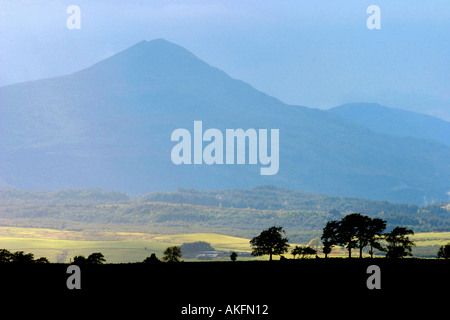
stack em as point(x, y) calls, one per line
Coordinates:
point(367, 231)
point(95, 258)
point(398, 243)
point(375, 234)
point(42, 260)
point(303, 251)
point(444, 251)
point(233, 256)
point(79, 260)
point(152, 259)
point(295, 251)
point(172, 254)
point(270, 241)
point(21, 257)
point(308, 251)
point(353, 231)
point(329, 237)
point(5, 256)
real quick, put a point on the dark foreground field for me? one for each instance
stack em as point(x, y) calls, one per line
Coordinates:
point(282, 289)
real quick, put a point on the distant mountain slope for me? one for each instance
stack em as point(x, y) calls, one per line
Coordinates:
point(110, 126)
point(275, 198)
point(395, 121)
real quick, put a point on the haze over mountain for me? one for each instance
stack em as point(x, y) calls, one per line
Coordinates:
point(395, 122)
point(109, 126)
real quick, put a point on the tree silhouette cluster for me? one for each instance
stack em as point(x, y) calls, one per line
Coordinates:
point(444, 251)
point(171, 254)
point(272, 242)
point(358, 231)
point(303, 252)
point(354, 231)
point(20, 257)
point(94, 258)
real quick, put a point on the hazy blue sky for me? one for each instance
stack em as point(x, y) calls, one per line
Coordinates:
point(315, 53)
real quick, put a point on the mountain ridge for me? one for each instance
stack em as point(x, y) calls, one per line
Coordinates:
point(109, 126)
point(395, 122)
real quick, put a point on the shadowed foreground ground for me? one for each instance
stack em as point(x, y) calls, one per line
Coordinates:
point(288, 288)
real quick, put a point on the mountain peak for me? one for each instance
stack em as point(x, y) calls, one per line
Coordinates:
point(159, 41)
point(156, 44)
point(156, 64)
point(110, 126)
point(157, 56)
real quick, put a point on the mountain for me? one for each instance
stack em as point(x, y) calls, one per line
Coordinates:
point(110, 125)
point(395, 121)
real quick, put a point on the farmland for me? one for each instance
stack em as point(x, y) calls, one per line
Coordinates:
point(118, 247)
point(124, 247)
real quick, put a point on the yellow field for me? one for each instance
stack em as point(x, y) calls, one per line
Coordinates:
point(61, 246)
point(431, 238)
point(218, 241)
point(117, 247)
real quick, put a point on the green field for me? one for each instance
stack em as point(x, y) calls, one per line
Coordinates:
point(117, 247)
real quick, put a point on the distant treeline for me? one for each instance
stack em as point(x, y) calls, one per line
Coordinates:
point(81, 196)
point(235, 212)
point(274, 198)
point(433, 217)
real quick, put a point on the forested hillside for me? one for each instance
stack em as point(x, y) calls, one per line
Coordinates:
point(234, 212)
point(275, 198)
